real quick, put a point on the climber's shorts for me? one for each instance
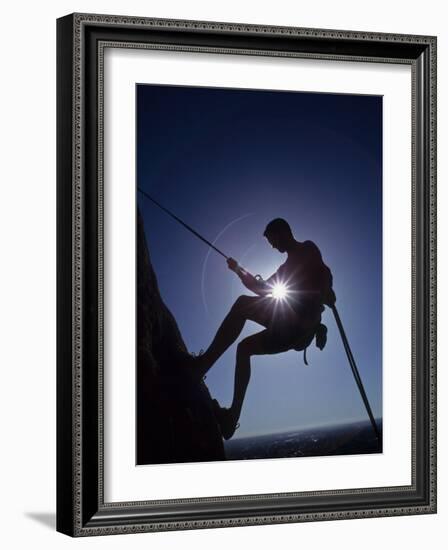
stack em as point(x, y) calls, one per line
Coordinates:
point(285, 328)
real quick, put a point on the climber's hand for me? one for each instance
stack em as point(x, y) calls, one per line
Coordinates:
point(330, 298)
point(232, 264)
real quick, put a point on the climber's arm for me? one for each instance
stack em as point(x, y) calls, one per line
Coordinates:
point(249, 281)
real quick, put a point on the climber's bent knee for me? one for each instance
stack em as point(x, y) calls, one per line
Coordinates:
point(252, 345)
point(252, 308)
point(242, 303)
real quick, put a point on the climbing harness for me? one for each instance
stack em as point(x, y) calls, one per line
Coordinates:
point(319, 334)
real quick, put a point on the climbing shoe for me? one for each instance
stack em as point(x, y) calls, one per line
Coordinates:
point(193, 363)
point(227, 423)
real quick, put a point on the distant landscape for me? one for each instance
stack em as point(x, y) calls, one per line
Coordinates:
point(346, 439)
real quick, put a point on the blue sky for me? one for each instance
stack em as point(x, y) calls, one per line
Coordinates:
point(228, 161)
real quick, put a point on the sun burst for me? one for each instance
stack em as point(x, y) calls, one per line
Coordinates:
point(279, 291)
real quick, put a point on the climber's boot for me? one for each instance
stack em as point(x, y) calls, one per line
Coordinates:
point(194, 363)
point(226, 420)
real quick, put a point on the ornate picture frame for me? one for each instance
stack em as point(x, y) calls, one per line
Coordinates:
point(81, 506)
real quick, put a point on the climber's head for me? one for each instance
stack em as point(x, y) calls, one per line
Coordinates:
point(278, 233)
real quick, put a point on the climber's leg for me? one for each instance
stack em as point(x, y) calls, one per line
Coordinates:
point(245, 308)
point(261, 343)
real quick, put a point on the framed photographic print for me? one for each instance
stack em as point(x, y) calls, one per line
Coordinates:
point(246, 274)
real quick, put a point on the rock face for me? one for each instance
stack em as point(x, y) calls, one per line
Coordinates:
point(175, 420)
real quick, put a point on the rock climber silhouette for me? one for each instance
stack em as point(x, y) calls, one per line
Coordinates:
point(289, 305)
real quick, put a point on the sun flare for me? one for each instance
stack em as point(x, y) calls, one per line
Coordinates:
point(279, 291)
